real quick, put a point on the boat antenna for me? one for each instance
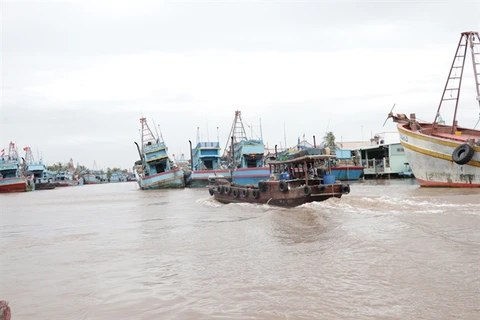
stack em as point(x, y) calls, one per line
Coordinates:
point(156, 130)
point(284, 136)
point(261, 133)
point(208, 135)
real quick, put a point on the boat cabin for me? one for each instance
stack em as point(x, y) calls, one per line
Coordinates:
point(311, 168)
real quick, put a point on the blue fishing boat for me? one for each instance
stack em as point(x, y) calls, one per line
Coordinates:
point(205, 163)
point(155, 170)
point(246, 156)
point(38, 172)
point(344, 166)
point(11, 176)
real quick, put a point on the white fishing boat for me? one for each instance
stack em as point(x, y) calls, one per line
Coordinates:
point(440, 154)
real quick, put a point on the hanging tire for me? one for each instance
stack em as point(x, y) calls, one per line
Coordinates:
point(262, 186)
point(210, 190)
point(227, 190)
point(345, 188)
point(462, 154)
point(235, 193)
point(283, 186)
point(307, 190)
point(244, 193)
point(220, 189)
point(255, 193)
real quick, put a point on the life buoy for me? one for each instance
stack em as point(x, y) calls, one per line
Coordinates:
point(283, 186)
point(307, 190)
point(220, 189)
point(227, 190)
point(462, 154)
point(244, 193)
point(262, 186)
point(210, 190)
point(255, 193)
point(345, 188)
point(235, 193)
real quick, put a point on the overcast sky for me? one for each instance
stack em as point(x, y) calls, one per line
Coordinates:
point(76, 76)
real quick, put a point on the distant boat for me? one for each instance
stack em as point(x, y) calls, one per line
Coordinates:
point(11, 177)
point(291, 184)
point(155, 170)
point(68, 177)
point(439, 154)
point(345, 168)
point(37, 171)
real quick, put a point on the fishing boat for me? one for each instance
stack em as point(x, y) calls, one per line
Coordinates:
point(440, 154)
point(205, 163)
point(70, 178)
point(41, 180)
point(11, 176)
point(155, 170)
point(245, 156)
point(293, 182)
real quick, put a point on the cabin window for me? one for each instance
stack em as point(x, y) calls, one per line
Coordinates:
point(160, 167)
point(251, 163)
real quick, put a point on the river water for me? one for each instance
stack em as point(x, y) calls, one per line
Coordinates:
point(388, 250)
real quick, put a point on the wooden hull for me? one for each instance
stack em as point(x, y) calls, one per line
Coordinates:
point(430, 158)
point(294, 195)
point(8, 185)
point(45, 185)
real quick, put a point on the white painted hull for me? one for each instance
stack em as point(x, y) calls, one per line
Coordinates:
point(431, 161)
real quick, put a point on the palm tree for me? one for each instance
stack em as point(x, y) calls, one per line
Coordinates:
point(329, 140)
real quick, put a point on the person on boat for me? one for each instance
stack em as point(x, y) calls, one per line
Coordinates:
point(286, 174)
point(311, 172)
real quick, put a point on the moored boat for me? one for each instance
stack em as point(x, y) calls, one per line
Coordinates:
point(293, 183)
point(205, 163)
point(37, 172)
point(155, 170)
point(439, 154)
point(246, 156)
point(11, 177)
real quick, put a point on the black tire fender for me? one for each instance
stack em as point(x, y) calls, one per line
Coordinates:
point(227, 190)
point(345, 188)
point(321, 187)
point(244, 193)
point(307, 190)
point(262, 186)
point(283, 186)
point(235, 193)
point(462, 154)
point(220, 189)
point(210, 190)
point(255, 193)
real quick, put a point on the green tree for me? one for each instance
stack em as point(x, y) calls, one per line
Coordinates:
point(329, 140)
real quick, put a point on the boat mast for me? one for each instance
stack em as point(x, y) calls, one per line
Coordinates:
point(237, 132)
point(28, 155)
point(472, 39)
point(147, 134)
